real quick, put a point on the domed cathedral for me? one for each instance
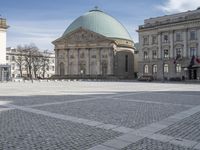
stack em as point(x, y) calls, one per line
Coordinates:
point(95, 45)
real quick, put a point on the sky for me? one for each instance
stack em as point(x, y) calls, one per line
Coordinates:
point(42, 21)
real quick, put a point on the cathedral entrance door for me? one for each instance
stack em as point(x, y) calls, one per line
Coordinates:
point(62, 69)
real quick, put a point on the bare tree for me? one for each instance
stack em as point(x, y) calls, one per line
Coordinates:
point(33, 60)
point(30, 52)
point(45, 63)
point(20, 58)
point(37, 63)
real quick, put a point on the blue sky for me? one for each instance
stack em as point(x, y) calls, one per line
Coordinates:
point(42, 21)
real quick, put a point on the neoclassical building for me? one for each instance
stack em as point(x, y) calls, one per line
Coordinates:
point(95, 45)
point(12, 59)
point(170, 46)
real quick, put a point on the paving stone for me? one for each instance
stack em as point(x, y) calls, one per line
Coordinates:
point(27, 131)
point(165, 98)
point(40, 99)
point(121, 106)
point(188, 128)
point(168, 121)
point(130, 138)
point(117, 112)
point(144, 133)
point(197, 146)
point(182, 142)
point(153, 127)
point(123, 129)
point(116, 143)
point(150, 144)
point(101, 147)
point(160, 137)
point(106, 126)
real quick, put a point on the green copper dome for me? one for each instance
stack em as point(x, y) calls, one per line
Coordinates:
point(99, 22)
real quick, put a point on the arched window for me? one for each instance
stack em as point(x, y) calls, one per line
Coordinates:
point(146, 69)
point(155, 69)
point(166, 68)
point(178, 68)
point(146, 55)
point(166, 53)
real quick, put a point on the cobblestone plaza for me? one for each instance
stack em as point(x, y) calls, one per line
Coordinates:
point(94, 115)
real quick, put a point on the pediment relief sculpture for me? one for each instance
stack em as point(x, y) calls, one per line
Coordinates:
point(84, 36)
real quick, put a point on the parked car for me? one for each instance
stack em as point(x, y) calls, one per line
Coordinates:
point(18, 79)
point(145, 78)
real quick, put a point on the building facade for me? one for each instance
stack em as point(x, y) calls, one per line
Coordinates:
point(4, 68)
point(12, 56)
point(170, 46)
point(95, 45)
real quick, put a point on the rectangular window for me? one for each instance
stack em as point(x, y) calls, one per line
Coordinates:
point(166, 53)
point(94, 56)
point(166, 39)
point(7, 57)
point(13, 66)
point(178, 68)
point(193, 51)
point(166, 68)
point(154, 54)
point(155, 69)
point(146, 55)
point(154, 39)
point(146, 69)
point(178, 37)
point(126, 63)
point(145, 40)
point(192, 35)
point(178, 52)
point(13, 58)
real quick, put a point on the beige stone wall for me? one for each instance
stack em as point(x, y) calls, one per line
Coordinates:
point(88, 61)
point(170, 29)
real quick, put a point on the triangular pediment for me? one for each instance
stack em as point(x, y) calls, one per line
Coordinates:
point(82, 36)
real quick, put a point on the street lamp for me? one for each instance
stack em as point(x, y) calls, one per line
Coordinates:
point(81, 73)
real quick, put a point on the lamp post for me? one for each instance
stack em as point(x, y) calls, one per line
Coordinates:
point(81, 73)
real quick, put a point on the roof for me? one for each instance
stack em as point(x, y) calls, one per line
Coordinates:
point(99, 22)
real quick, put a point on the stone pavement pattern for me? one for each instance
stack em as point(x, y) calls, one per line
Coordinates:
point(99, 116)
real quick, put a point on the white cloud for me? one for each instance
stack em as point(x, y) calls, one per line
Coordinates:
point(175, 6)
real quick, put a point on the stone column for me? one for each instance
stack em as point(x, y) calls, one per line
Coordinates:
point(185, 47)
point(78, 61)
point(68, 62)
point(198, 38)
point(57, 61)
point(100, 61)
point(171, 53)
point(88, 61)
point(159, 45)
